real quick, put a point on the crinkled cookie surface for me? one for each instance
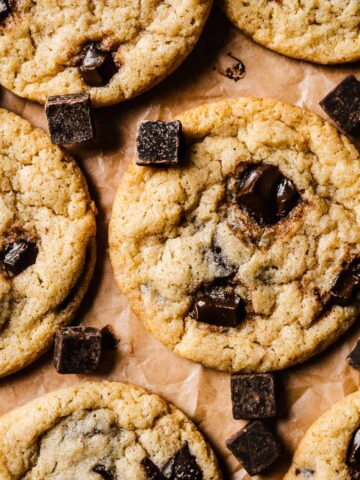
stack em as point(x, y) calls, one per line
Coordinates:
point(175, 230)
point(69, 433)
point(326, 31)
point(322, 453)
point(40, 43)
point(44, 200)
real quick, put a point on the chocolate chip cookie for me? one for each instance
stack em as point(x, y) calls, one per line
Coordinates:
point(47, 241)
point(323, 32)
point(103, 431)
point(114, 50)
point(331, 447)
point(245, 256)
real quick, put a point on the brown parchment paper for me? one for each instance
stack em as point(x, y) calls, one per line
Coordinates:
point(202, 393)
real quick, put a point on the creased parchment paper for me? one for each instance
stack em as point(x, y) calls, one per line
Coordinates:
point(203, 394)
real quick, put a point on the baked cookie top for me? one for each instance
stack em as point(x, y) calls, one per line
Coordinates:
point(322, 32)
point(327, 450)
point(43, 43)
point(47, 246)
point(102, 430)
point(184, 238)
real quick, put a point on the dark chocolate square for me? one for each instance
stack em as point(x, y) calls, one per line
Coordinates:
point(4, 9)
point(183, 465)
point(343, 104)
point(220, 312)
point(77, 349)
point(253, 396)
point(255, 446)
point(69, 118)
point(158, 143)
point(17, 256)
point(354, 356)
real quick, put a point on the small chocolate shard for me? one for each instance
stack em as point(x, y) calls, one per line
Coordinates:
point(77, 350)
point(354, 356)
point(97, 66)
point(347, 285)
point(255, 446)
point(69, 118)
point(237, 71)
point(343, 104)
point(253, 396)
point(184, 466)
point(159, 143)
point(103, 471)
point(304, 473)
point(151, 470)
point(17, 256)
point(109, 339)
point(266, 194)
point(220, 312)
point(4, 9)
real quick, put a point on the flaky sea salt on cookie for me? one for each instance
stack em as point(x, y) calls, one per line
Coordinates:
point(244, 256)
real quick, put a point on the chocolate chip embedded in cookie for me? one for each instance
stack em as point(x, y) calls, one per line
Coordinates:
point(69, 118)
point(105, 430)
point(343, 104)
point(237, 254)
point(17, 256)
point(97, 66)
point(253, 396)
point(266, 194)
point(158, 143)
point(255, 447)
point(4, 9)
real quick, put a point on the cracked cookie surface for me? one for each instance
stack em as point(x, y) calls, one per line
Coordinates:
point(323, 32)
point(44, 203)
point(324, 451)
point(42, 42)
point(179, 231)
point(71, 432)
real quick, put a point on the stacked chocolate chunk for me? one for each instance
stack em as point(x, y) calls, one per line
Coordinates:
point(254, 397)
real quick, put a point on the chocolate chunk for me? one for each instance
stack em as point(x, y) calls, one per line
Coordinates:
point(4, 9)
point(97, 66)
point(69, 118)
point(343, 104)
point(220, 312)
point(151, 470)
point(255, 446)
point(109, 339)
point(304, 472)
point(354, 472)
point(17, 256)
point(353, 457)
point(159, 143)
point(184, 466)
point(103, 471)
point(347, 285)
point(266, 194)
point(253, 396)
point(77, 349)
point(354, 356)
